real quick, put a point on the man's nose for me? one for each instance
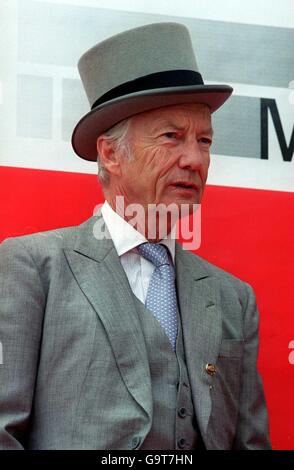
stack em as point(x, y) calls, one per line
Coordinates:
point(192, 158)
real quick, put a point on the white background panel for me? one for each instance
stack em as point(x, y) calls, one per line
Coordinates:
point(264, 12)
point(56, 154)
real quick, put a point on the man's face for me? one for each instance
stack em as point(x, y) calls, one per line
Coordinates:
point(170, 156)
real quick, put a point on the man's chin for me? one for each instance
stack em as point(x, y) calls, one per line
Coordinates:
point(185, 204)
point(177, 209)
point(186, 208)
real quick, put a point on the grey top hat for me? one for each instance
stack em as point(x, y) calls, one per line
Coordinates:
point(139, 70)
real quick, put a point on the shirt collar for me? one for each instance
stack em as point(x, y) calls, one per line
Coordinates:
point(125, 237)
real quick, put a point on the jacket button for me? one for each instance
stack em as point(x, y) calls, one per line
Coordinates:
point(182, 412)
point(181, 443)
point(210, 369)
point(136, 442)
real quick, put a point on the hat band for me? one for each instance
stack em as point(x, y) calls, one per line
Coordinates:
point(170, 78)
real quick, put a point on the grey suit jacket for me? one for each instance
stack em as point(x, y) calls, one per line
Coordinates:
point(75, 371)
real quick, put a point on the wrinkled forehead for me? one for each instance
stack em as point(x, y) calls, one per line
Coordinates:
point(180, 115)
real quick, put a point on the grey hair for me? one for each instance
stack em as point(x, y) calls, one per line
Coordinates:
point(119, 135)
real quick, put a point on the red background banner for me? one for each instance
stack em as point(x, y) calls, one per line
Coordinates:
point(247, 232)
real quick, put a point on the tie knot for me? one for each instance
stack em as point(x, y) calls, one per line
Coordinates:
point(155, 253)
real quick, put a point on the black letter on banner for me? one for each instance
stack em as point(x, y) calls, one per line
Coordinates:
point(287, 152)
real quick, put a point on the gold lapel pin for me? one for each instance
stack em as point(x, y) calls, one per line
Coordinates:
point(210, 369)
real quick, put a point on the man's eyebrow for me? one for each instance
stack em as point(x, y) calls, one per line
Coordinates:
point(208, 130)
point(170, 124)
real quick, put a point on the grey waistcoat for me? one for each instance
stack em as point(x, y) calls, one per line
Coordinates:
point(174, 425)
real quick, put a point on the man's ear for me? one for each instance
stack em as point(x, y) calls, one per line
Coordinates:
point(108, 156)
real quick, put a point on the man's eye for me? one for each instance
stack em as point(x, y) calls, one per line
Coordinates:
point(170, 135)
point(205, 141)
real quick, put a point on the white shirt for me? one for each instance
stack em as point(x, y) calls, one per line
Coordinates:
point(125, 239)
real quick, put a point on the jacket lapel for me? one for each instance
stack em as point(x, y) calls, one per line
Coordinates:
point(99, 273)
point(201, 318)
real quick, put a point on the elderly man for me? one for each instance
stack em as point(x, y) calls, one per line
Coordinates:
point(126, 341)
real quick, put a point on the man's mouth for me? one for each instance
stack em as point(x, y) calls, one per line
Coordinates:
point(185, 185)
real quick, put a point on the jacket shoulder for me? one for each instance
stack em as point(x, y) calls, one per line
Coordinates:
point(56, 239)
point(226, 280)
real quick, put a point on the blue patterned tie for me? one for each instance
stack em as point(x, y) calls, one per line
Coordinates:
point(161, 295)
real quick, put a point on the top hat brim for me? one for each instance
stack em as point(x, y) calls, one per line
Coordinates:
point(106, 115)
